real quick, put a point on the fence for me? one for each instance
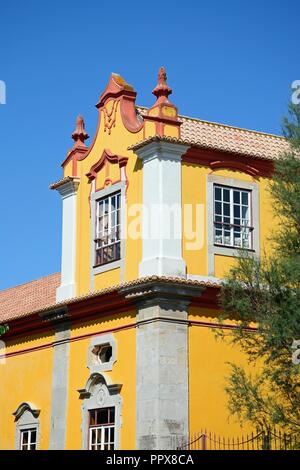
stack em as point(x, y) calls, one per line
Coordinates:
point(261, 440)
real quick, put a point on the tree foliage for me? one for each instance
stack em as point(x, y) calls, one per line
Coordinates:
point(265, 292)
point(3, 329)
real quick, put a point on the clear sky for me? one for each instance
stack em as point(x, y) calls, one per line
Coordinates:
point(227, 61)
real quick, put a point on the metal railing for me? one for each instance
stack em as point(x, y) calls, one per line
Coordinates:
point(261, 440)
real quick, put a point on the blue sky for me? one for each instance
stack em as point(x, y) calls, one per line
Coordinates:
point(230, 62)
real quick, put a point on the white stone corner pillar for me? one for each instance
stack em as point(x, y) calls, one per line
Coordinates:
point(68, 192)
point(162, 209)
point(162, 362)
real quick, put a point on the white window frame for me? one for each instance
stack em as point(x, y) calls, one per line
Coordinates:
point(224, 250)
point(30, 431)
point(98, 394)
point(96, 196)
point(101, 428)
point(245, 230)
point(111, 232)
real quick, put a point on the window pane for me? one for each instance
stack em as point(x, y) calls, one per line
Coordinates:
point(245, 198)
point(93, 436)
point(112, 415)
point(93, 417)
point(227, 239)
point(245, 212)
point(218, 208)
point(236, 197)
point(106, 203)
point(237, 238)
point(101, 208)
point(103, 416)
point(218, 193)
point(236, 211)
point(226, 209)
point(226, 195)
point(33, 436)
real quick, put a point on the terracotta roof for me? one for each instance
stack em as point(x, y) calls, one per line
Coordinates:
point(59, 183)
point(24, 300)
point(158, 138)
point(205, 134)
point(21, 300)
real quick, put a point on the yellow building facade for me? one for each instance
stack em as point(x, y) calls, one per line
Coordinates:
point(119, 350)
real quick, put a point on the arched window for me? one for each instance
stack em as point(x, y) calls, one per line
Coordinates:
point(27, 427)
point(101, 414)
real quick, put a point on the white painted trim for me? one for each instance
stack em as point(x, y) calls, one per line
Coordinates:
point(95, 196)
point(100, 395)
point(162, 187)
point(93, 363)
point(27, 420)
point(67, 288)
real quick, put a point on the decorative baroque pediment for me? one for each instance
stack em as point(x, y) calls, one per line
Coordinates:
point(107, 156)
point(119, 93)
point(96, 381)
point(26, 406)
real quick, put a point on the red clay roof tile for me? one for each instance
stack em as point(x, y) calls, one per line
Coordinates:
point(26, 298)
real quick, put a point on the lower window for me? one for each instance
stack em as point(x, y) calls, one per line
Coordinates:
point(28, 439)
point(102, 429)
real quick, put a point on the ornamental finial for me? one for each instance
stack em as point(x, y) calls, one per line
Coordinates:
point(162, 89)
point(80, 133)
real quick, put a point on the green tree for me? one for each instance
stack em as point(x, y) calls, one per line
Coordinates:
point(266, 291)
point(3, 329)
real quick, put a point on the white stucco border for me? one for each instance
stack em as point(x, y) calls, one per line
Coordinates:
point(213, 249)
point(95, 196)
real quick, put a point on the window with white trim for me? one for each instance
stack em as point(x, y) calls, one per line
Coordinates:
point(28, 439)
point(102, 429)
point(108, 229)
point(232, 217)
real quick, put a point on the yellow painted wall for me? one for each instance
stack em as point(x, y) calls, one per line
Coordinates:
point(111, 278)
point(193, 193)
point(26, 377)
point(29, 376)
point(68, 169)
point(208, 369)
point(223, 264)
point(123, 372)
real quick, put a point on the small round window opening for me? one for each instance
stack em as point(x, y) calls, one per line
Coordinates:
point(105, 353)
